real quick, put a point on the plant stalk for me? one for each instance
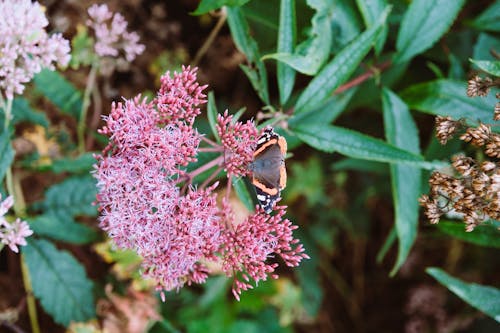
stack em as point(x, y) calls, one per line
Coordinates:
point(85, 107)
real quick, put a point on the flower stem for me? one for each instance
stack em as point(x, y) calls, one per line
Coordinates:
point(363, 77)
point(85, 106)
point(35, 327)
point(210, 39)
point(206, 167)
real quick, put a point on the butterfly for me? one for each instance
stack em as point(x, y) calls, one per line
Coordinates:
point(268, 168)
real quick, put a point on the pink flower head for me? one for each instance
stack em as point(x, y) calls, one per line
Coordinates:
point(25, 46)
point(112, 37)
point(12, 233)
point(148, 201)
point(255, 240)
point(239, 141)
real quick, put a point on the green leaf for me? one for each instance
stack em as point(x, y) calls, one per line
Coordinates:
point(484, 44)
point(212, 115)
point(402, 132)
point(325, 113)
point(424, 22)
point(74, 196)
point(22, 112)
point(206, 6)
point(357, 145)
point(483, 298)
point(448, 98)
point(82, 48)
point(286, 42)
point(244, 192)
point(6, 153)
point(364, 166)
point(59, 91)
point(240, 32)
point(371, 11)
point(311, 54)
point(489, 20)
point(484, 235)
point(59, 281)
point(340, 68)
point(491, 67)
point(62, 228)
point(80, 164)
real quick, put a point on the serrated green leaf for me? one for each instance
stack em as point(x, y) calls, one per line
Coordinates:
point(448, 98)
point(59, 91)
point(483, 298)
point(80, 164)
point(206, 6)
point(339, 69)
point(489, 20)
point(424, 22)
point(491, 67)
point(240, 32)
point(311, 54)
point(62, 228)
point(371, 10)
point(484, 235)
point(212, 115)
point(357, 145)
point(244, 193)
point(22, 112)
point(402, 132)
point(59, 281)
point(6, 153)
point(286, 42)
point(73, 196)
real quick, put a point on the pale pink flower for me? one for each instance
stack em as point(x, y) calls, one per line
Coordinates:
point(25, 46)
point(112, 38)
point(12, 233)
point(148, 201)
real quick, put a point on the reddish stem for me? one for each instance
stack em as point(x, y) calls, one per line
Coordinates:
point(363, 77)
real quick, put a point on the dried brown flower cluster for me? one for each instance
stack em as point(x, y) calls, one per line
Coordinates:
point(474, 194)
point(473, 191)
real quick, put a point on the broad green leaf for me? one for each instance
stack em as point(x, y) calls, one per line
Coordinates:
point(484, 235)
point(402, 132)
point(491, 67)
point(80, 164)
point(245, 43)
point(489, 20)
point(355, 144)
point(206, 6)
point(371, 10)
point(59, 91)
point(484, 44)
point(345, 25)
point(325, 113)
point(62, 228)
point(22, 112)
point(448, 98)
point(339, 69)
point(286, 42)
point(455, 71)
point(424, 22)
point(6, 153)
point(60, 282)
point(212, 115)
point(245, 193)
point(364, 166)
point(484, 298)
point(73, 196)
point(311, 54)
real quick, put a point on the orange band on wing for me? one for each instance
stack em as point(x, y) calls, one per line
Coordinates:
point(264, 146)
point(264, 188)
point(283, 145)
point(282, 177)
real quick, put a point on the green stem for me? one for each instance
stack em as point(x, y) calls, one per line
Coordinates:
point(85, 107)
point(15, 190)
point(35, 327)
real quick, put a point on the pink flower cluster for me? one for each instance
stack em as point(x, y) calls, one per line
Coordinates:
point(25, 46)
point(12, 233)
point(112, 37)
point(148, 202)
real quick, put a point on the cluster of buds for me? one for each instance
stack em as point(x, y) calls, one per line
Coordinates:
point(472, 191)
point(148, 202)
